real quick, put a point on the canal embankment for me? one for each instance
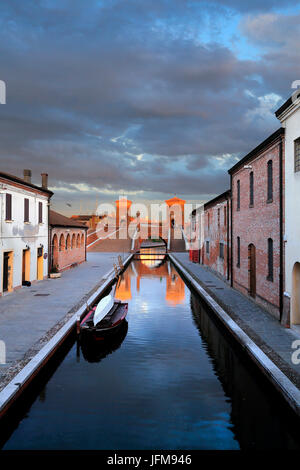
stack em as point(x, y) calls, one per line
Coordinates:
point(35, 321)
point(263, 338)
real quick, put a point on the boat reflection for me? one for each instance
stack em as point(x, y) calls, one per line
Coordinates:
point(94, 350)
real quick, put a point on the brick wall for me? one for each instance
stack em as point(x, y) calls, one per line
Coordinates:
point(64, 256)
point(216, 220)
point(255, 225)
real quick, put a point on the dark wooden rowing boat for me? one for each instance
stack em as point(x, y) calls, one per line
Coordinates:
point(109, 325)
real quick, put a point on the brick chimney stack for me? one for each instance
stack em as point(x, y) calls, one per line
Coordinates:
point(44, 180)
point(27, 176)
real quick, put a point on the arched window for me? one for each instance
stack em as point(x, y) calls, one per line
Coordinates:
point(68, 242)
point(62, 243)
point(82, 239)
point(251, 189)
point(270, 259)
point(238, 196)
point(78, 241)
point(73, 243)
point(270, 181)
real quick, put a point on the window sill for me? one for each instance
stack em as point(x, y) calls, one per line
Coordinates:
point(9, 221)
point(269, 201)
point(251, 206)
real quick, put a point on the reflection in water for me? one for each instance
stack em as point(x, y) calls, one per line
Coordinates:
point(94, 350)
point(259, 419)
point(174, 285)
point(172, 381)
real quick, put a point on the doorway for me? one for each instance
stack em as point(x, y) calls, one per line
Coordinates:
point(26, 266)
point(40, 264)
point(7, 271)
point(252, 270)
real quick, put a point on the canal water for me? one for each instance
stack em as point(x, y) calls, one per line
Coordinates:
point(169, 380)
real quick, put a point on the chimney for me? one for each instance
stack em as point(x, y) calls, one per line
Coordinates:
point(44, 180)
point(27, 176)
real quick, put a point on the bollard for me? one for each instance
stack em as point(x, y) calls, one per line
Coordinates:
point(78, 326)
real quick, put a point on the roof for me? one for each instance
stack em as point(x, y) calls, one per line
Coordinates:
point(59, 220)
point(260, 148)
point(175, 199)
point(18, 180)
point(286, 105)
point(224, 195)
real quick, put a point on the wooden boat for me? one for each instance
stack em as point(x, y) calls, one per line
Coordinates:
point(108, 320)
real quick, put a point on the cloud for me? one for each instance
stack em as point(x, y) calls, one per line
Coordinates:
point(139, 96)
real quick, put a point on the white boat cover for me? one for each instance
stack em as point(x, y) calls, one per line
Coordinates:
point(103, 307)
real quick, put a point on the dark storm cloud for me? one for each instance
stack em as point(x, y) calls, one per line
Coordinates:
point(129, 95)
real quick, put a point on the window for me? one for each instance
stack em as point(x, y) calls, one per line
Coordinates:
point(218, 217)
point(221, 250)
point(297, 154)
point(238, 202)
point(270, 260)
point(251, 189)
point(207, 248)
point(40, 212)
point(225, 216)
point(238, 252)
point(270, 181)
point(26, 210)
point(8, 213)
point(208, 220)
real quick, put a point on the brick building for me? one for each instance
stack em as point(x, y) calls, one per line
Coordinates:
point(215, 251)
point(257, 191)
point(68, 241)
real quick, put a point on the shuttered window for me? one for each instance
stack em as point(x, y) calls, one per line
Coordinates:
point(297, 155)
point(26, 210)
point(40, 212)
point(270, 259)
point(8, 211)
point(251, 189)
point(270, 181)
point(238, 252)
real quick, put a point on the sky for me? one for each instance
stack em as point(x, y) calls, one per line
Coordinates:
point(143, 98)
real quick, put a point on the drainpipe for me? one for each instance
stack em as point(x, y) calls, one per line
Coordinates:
point(49, 240)
point(231, 236)
point(281, 230)
point(228, 268)
point(85, 238)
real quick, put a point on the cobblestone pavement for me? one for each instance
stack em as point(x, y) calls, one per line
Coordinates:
point(32, 315)
point(274, 339)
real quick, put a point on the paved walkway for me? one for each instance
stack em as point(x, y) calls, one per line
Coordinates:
point(261, 327)
point(28, 314)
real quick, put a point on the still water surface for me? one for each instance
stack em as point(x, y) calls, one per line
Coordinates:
point(170, 380)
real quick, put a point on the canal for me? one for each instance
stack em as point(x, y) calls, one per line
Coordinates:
point(171, 379)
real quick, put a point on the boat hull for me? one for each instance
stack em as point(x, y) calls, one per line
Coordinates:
point(108, 326)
